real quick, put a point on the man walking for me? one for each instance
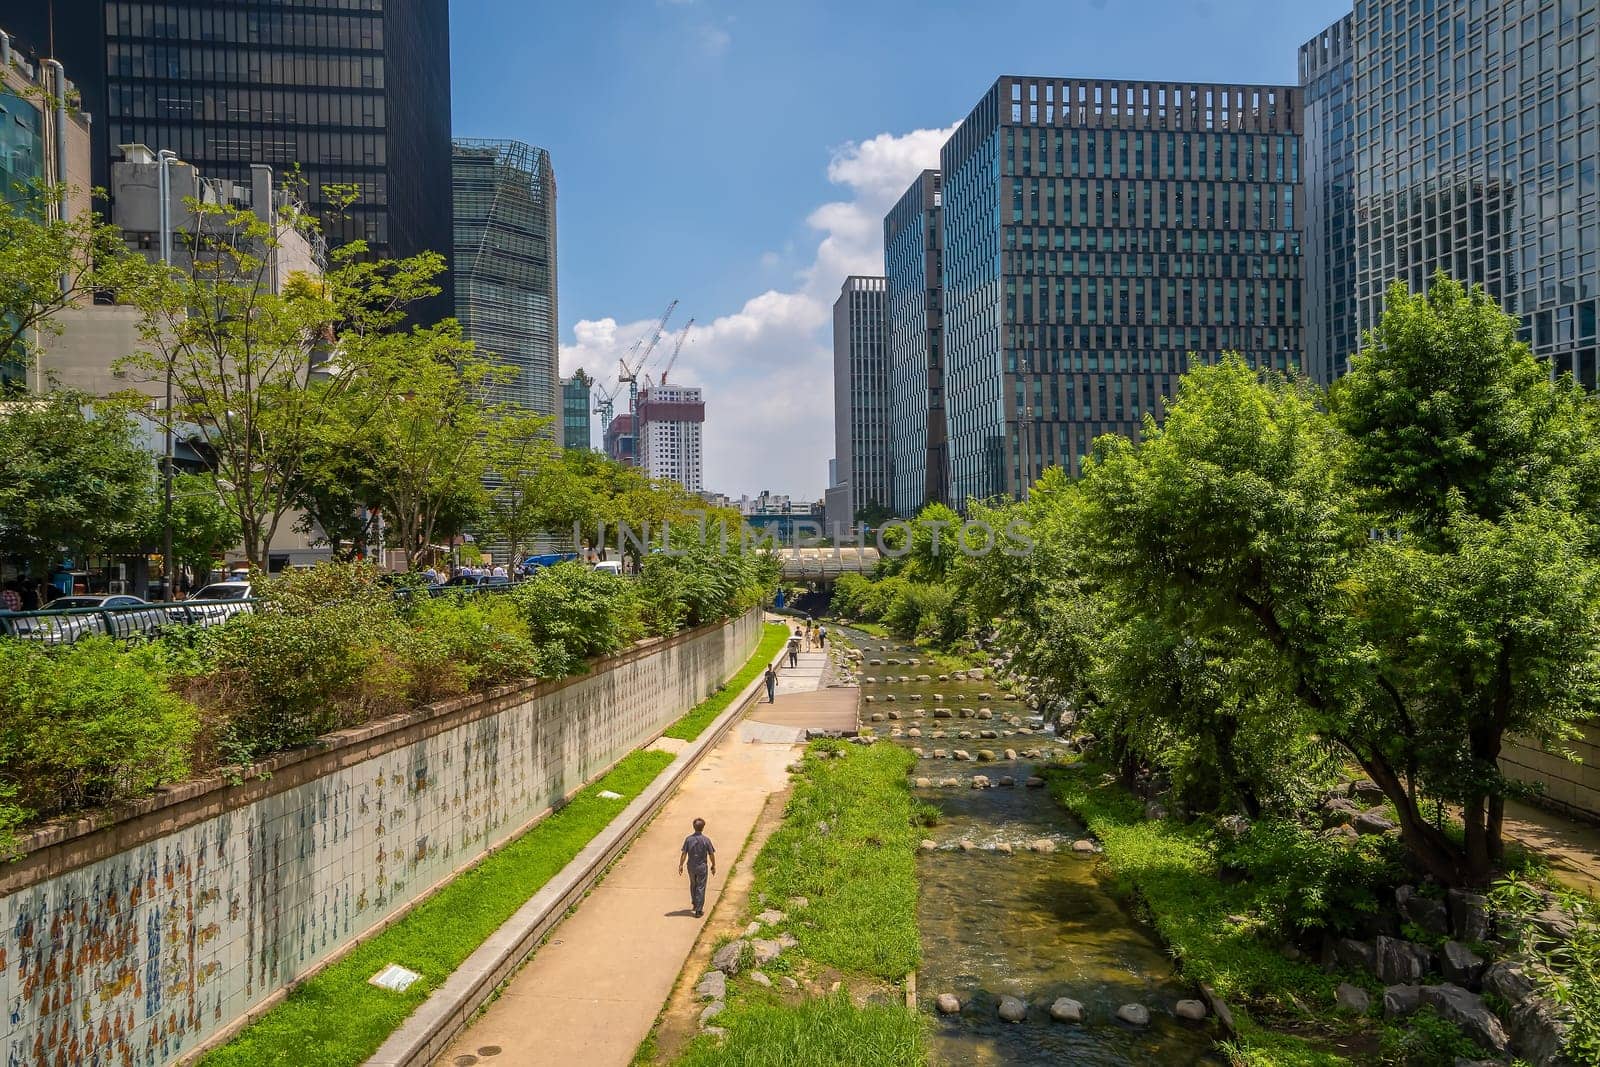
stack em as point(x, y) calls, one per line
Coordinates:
point(822, 637)
point(697, 852)
point(794, 648)
point(772, 685)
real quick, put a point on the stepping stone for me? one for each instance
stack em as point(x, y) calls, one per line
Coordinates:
point(1066, 1010)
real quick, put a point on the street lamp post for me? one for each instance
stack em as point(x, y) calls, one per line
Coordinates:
point(164, 159)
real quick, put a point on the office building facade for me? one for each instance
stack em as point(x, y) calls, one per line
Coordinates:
point(1095, 234)
point(671, 420)
point(1476, 140)
point(505, 264)
point(575, 427)
point(913, 307)
point(861, 392)
point(352, 92)
point(1327, 72)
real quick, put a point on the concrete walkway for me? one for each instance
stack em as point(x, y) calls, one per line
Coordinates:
point(1571, 847)
point(591, 994)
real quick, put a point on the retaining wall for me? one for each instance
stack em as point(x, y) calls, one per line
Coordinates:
point(129, 939)
point(1571, 788)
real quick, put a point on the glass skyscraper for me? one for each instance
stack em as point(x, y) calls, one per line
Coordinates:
point(861, 392)
point(352, 92)
point(575, 431)
point(1476, 139)
point(505, 265)
point(1326, 78)
point(1096, 233)
point(913, 303)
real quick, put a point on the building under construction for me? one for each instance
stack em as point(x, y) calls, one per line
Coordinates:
point(505, 265)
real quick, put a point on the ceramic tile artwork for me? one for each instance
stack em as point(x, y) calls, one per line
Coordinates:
point(136, 959)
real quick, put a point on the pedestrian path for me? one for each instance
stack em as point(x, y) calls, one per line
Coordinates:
point(592, 992)
point(1572, 848)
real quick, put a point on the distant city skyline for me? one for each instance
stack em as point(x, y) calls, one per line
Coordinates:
point(742, 159)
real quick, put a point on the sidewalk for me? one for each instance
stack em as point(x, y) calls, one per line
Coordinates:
point(591, 993)
point(1571, 847)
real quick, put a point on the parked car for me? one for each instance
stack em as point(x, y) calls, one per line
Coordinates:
point(548, 559)
point(478, 581)
point(83, 616)
point(609, 566)
point(218, 602)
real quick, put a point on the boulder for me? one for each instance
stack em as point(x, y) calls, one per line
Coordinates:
point(760, 979)
point(1192, 1010)
point(1155, 811)
point(788, 941)
point(989, 735)
point(711, 1012)
point(947, 1004)
point(1134, 1014)
point(1351, 998)
point(1459, 964)
point(765, 950)
point(1084, 847)
point(1366, 791)
point(962, 754)
point(771, 917)
point(1538, 1025)
point(1467, 1010)
point(1555, 924)
point(1066, 1010)
point(1469, 914)
point(714, 986)
point(1003, 847)
point(980, 781)
point(789, 983)
point(915, 731)
point(1374, 822)
point(985, 713)
point(730, 957)
point(1337, 811)
point(1401, 1000)
point(1010, 754)
point(929, 844)
point(939, 753)
point(924, 783)
point(876, 716)
point(1400, 961)
point(942, 713)
point(1354, 955)
point(967, 844)
point(1426, 912)
point(1006, 780)
point(1234, 825)
point(1042, 844)
point(986, 755)
point(1013, 1009)
point(1034, 782)
point(870, 699)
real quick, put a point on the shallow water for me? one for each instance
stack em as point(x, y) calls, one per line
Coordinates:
point(1032, 925)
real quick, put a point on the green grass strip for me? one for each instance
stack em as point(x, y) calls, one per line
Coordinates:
point(825, 1032)
point(848, 845)
point(336, 1018)
point(1172, 871)
point(703, 714)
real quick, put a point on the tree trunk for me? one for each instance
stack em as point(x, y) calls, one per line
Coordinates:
point(1438, 855)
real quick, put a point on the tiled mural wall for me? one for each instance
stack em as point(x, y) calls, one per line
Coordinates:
point(135, 959)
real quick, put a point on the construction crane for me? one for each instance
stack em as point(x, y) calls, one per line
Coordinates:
point(673, 359)
point(604, 404)
point(630, 375)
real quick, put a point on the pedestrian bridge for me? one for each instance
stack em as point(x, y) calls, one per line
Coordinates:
point(825, 564)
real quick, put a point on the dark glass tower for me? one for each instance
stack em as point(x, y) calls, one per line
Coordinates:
point(1096, 233)
point(354, 92)
point(1327, 78)
point(913, 306)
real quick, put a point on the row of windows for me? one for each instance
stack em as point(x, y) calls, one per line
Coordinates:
point(1152, 204)
point(213, 22)
point(1136, 153)
point(1149, 264)
point(240, 63)
point(314, 149)
point(344, 109)
point(1217, 106)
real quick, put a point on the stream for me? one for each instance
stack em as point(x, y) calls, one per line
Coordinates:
point(1035, 925)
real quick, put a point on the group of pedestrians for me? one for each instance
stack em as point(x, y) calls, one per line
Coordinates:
point(468, 570)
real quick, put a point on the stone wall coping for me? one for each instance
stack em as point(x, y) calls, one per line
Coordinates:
point(436, 1022)
point(65, 844)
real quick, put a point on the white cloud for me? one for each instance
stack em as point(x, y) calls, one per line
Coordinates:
point(767, 367)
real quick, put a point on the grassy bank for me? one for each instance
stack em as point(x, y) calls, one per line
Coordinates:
point(336, 1018)
point(693, 724)
point(1172, 872)
point(848, 846)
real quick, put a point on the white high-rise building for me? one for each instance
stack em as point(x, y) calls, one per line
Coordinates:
point(670, 421)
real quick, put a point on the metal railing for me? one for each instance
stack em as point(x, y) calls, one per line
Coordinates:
point(63, 626)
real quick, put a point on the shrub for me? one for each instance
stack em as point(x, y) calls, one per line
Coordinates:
point(86, 725)
point(574, 612)
point(700, 583)
point(1311, 882)
point(450, 646)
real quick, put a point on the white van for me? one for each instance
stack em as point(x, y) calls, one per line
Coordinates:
point(609, 566)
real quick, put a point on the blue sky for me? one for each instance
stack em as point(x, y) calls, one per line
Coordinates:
point(739, 156)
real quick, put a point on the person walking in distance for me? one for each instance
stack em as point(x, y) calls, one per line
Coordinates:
point(697, 852)
point(772, 685)
point(794, 648)
point(822, 637)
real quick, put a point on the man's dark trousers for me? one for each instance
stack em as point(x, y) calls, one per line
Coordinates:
point(697, 886)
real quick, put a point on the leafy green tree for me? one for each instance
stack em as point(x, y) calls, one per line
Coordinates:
point(521, 502)
point(203, 528)
point(1483, 613)
point(874, 515)
point(260, 367)
point(933, 549)
point(48, 265)
point(76, 478)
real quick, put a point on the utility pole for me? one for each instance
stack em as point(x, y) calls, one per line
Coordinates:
point(164, 159)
